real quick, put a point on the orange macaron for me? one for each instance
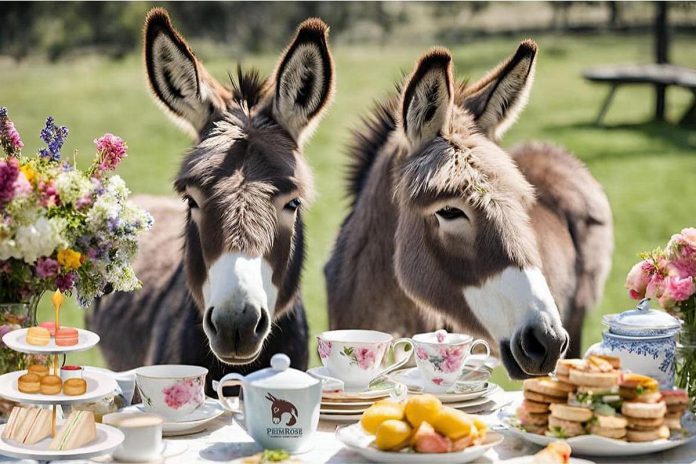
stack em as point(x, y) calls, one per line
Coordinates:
point(66, 336)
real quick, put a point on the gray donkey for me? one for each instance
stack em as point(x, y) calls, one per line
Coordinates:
point(221, 274)
point(446, 228)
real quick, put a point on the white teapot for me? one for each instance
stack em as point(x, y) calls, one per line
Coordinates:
point(281, 404)
point(645, 341)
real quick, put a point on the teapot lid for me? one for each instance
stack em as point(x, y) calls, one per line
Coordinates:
point(281, 375)
point(642, 321)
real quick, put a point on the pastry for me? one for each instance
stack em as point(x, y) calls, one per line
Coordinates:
point(38, 336)
point(539, 398)
point(634, 385)
point(644, 410)
point(74, 387)
point(38, 369)
point(50, 385)
point(565, 429)
point(79, 430)
point(66, 336)
point(555, 453)
point(28, 425)
point(609, 426)
point(534, 407)
point(598, 379)
point(648, 435)
point(50, 326)
point(29, 383)
point(563, 366)
point(546, 386)
point(570, 413)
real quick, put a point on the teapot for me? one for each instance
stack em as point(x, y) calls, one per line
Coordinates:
point(281, 404)
point(644, 339)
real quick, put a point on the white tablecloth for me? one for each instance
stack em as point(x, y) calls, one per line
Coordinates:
point(226, 441)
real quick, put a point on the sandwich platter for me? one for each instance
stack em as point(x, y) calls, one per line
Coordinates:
point(595, 445)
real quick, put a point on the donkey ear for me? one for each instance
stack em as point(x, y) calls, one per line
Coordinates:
point(304, 79)
point(426, 105)
point(498, 98)
point(176, 76)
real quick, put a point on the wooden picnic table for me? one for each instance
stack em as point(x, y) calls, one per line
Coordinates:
point(652, 74)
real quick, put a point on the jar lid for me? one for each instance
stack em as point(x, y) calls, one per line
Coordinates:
point(642, 321)
point(280, 375)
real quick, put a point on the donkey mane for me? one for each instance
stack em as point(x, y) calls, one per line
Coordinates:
point(248, 86)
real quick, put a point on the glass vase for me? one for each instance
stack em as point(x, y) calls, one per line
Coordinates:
point(685, 376)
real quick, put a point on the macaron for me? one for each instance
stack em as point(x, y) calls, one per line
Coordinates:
point(66, 336)
point(50, 326)
point(38, 336)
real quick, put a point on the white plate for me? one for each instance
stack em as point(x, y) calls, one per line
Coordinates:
point(413, 379)
point(98, 386)
point(108, 439)
point(340, 417)
point(193, 423)
point(530, 460)
point(322, 373)
point(16, 340)
point(595, 445)
point(356, 439)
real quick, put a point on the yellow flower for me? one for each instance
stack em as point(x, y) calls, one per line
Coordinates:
point(69, 259)
point(29, 173)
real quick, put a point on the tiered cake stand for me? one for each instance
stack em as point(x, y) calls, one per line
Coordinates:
point(98, 387)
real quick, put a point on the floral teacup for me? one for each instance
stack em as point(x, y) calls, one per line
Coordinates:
point(355, 356)
point(172, 391)
point(441, 356)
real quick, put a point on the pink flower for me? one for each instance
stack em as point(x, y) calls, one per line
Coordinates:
point(111, 150)
point(46, 268)
point(637, 279)
point(654, 288)
point(177, 395)
point(440, 335)
point(49, 194)
point(66, 282)
point(9, 172)
point(676, 289)
point(365, 357)
point(451, 359)
point(438, 380)
point(324, 348)
point(421, 353)
point(689, 237)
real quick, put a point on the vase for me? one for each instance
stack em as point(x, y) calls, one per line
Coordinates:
point(14, 316)
point(686, 362)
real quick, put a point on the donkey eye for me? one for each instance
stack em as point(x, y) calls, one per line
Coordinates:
point(448, 213)
point(292, 205)
point(190, 202)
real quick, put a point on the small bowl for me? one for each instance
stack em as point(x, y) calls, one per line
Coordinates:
point(172, 391)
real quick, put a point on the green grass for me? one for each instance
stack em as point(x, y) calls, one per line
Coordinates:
point(648, 169)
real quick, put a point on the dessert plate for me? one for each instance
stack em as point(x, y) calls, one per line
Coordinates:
point(108, 439)
point(356, 439)
point(193, 423)
point(16, 340)
point(98, 386)
point(595, 445)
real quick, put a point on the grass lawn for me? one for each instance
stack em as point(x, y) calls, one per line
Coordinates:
point(647, 169)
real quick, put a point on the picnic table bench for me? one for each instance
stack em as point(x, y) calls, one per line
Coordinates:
point(653, 74)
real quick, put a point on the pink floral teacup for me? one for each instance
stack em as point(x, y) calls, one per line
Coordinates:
point(441, 356)
point(355, 356)
point(172, 391)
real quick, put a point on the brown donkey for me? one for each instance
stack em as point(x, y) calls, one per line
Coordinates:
point(226, 294)
point(446, 228)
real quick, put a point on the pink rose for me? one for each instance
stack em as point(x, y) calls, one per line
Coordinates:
point(637, 279)
point(421, 353)
point(177, 395)
point(324, 348)
point(451, 359)
point(678, 288)
point(654, 288)
point(365, 357)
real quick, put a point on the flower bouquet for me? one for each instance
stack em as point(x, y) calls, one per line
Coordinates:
point(668, 276)
point(60, 226)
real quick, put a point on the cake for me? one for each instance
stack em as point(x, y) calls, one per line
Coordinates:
point(39, 336)
point(28, 426)
point(66, 336)
point(76, 432)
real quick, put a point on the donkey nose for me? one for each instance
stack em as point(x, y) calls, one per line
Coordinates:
point(542, 347)
point(237, 333)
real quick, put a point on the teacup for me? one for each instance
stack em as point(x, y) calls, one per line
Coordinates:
point(172, 391)
point(441, 356)
point(355, 356)
point(142, 436)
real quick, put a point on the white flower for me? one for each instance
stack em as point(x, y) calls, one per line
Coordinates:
point(116, 186)
point(39, 239)
point(72, 186)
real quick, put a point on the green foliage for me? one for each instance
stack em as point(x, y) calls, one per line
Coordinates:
point(647, 169)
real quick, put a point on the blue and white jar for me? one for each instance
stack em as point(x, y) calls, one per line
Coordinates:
point(645, 341)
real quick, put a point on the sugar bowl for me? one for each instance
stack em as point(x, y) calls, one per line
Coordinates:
point(644, 339)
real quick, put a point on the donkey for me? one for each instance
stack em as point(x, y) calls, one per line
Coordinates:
point(280, 407)
point(225, 295)
point(447, 229)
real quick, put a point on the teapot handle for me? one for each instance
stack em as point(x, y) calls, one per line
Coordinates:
point(230, 403)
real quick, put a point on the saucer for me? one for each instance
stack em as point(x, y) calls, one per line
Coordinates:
point(461, 391)
point(190, 424)
point(334, 385)
point(169, 449)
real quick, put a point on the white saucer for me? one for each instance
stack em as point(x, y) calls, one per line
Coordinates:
point(98, 386)
point(330, 384)
point(108, 439)
point(188, 425)
point(413, 379)
point(16, 340)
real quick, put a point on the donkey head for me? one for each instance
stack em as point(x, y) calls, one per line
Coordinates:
point(464, 244)
point(245, 180)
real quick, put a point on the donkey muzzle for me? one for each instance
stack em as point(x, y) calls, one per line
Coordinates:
point(236, 335)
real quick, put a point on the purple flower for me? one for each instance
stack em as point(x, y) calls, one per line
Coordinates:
point(46, 268)
point(9, 137)
point(54, 137)
point(9, 171)
point(111, 150)
point(3, 330)
point(66, 282)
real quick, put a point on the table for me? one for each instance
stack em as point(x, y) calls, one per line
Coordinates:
point(226, 441)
